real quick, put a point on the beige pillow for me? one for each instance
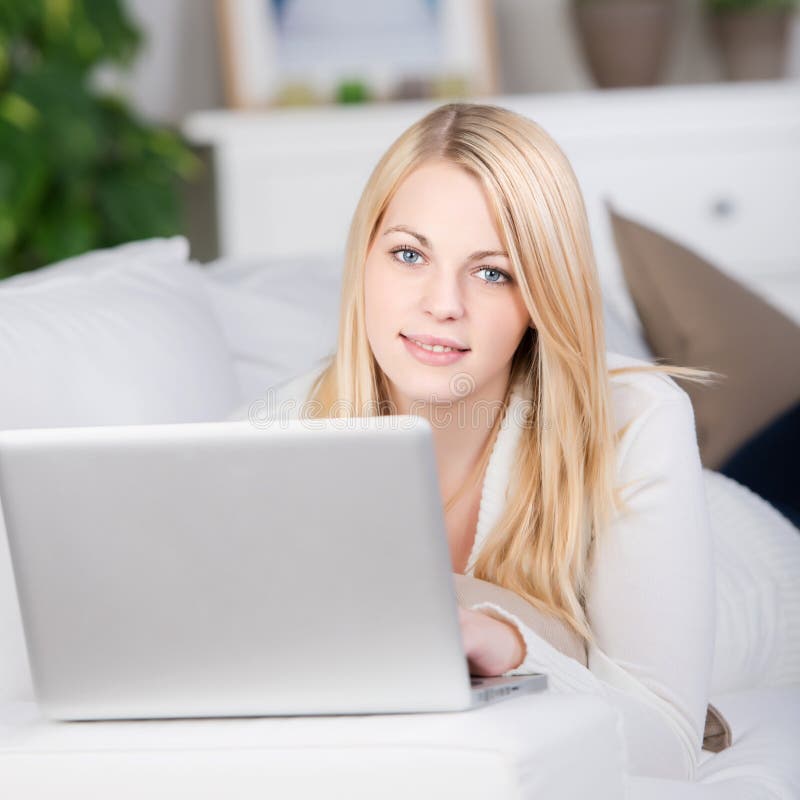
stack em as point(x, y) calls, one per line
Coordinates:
point(470, 591)
point(694, 315)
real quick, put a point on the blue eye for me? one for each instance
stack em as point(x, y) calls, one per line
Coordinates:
point(405, 251)
point(499, 273)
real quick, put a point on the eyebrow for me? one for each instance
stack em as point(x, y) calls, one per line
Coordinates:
point(426, 243)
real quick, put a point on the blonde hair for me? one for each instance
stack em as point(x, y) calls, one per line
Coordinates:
point(563, 493)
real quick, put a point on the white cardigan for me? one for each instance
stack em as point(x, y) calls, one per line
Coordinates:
point(651, 593)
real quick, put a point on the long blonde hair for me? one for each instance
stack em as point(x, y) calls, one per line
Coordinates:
point(563, 493)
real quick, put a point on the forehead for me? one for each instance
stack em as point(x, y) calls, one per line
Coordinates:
point(441, 201)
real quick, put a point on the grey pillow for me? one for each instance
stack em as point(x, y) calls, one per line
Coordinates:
point(695, 315)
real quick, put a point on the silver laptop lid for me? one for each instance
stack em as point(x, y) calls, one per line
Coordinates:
point(216, 569)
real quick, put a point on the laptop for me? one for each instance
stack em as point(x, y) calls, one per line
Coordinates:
point(223, 569)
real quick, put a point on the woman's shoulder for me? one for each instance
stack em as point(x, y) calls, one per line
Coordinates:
point(634, 393)
point(653, 419)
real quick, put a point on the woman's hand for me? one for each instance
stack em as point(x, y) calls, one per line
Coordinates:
point(492, 646)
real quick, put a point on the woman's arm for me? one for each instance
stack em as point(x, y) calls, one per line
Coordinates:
point(492, 646)
point(650, 598)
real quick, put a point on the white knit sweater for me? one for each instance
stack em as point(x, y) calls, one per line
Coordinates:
point(651, 594)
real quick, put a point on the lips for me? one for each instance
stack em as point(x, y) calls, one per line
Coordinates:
point(430, 357)
point(434, 340)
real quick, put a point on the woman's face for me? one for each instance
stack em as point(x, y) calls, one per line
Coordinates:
point(437, 271)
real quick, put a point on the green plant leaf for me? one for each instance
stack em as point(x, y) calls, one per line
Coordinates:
point(78, 169)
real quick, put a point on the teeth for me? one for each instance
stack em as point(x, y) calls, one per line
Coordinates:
point(434, 348)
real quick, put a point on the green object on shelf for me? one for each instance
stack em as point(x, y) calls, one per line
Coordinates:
point(451, 87)
point(296, 93)
point(352, 91)
point(79, 169)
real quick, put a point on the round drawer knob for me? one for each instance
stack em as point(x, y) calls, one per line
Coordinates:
point(723, 207)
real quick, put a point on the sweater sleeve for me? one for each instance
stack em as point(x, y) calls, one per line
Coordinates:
point(650, 598)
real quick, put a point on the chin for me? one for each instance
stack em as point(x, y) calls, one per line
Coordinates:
point(427, 388)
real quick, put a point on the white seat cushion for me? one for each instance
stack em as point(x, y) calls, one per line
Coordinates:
point(766, 740)
point(761, 764)
point(522, 747)
point(757, 554)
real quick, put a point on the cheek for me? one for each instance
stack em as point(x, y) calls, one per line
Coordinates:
point(379, 298)
point(502, 325)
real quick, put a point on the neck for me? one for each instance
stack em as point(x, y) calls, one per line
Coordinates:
point(461, 428)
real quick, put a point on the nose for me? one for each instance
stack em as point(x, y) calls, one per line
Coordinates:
point(442, 295)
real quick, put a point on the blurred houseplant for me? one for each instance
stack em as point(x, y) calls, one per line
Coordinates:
point(625, 41)
point(78, 169)
point(752, 35)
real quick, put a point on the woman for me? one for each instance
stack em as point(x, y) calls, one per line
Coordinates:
point(471, 296)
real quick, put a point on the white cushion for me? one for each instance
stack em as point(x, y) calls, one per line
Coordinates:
point(111, 341)
point(117, 337)
point(765, 722)
point(520, 747)
point(156, 252)
point(757, 555)
point(622, 337)
point(278, 317)
point(761, 763)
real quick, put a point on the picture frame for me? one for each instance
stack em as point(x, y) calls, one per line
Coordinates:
point(276, 53)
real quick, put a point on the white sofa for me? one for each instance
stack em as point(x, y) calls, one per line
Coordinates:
point(139, 335)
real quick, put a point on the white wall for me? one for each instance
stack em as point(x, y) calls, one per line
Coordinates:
point(178, 71)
